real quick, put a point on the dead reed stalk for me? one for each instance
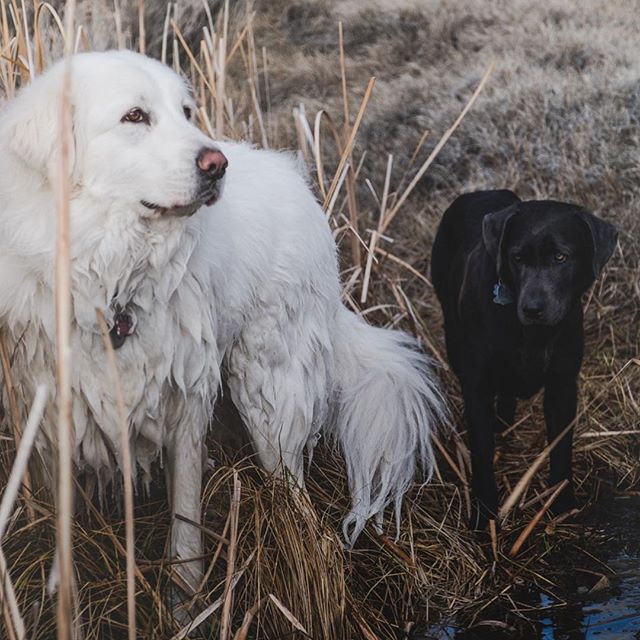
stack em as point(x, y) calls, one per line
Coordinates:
point(65, 439)
point(127, 475)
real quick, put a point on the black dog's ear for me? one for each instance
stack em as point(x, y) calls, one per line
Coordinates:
point(493, 231)
point(604, 237)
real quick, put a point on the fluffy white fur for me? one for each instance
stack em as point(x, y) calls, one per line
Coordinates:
point(247, 288)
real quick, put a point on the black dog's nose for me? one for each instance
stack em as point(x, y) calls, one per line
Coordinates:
point(212, 162)
point(533, 310)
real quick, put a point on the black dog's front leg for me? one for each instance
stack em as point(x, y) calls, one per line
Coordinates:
point(505, 412)
point(560, 402)
point(480, 415)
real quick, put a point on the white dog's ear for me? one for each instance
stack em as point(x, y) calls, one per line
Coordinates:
point(32, 126)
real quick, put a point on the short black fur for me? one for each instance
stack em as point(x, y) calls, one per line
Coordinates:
point(545, 255)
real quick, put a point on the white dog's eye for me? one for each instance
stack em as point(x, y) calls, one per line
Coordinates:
point(136, 115)
point(188, 112)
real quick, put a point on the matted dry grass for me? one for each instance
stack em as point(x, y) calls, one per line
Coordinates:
point(543, 125)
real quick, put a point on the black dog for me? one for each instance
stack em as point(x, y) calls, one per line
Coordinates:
point(510, 276)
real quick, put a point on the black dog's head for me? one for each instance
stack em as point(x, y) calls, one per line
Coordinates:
point(548, 253)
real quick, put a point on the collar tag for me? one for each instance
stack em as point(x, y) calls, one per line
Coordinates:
point(502, 294)
point(124, 324)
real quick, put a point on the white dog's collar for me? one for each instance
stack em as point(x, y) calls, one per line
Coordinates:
point(124, 325)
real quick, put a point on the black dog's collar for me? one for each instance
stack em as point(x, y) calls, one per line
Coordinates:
point(502, 294)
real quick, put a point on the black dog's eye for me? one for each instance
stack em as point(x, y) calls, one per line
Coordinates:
point(188, 112)
point(136, 116)
point(517, 257)
point(560, 257)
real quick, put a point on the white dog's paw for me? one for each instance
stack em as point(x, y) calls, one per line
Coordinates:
point(54, 577)
point(185, 613)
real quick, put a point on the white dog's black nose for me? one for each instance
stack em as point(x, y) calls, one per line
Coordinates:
point(212, 162)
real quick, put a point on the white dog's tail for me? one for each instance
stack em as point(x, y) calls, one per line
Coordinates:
point(388, 405)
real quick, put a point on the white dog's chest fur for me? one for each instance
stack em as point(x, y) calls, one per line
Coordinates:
point(168, 367)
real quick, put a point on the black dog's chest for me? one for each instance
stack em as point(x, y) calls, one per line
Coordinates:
point(523, 371)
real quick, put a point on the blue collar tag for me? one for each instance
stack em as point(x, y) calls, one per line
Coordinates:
point(502, 294)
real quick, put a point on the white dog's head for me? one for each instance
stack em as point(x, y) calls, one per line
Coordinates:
point(135, 142)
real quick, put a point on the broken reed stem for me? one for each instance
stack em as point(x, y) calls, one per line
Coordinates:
point(343, 74)
point(258, 112)
point(522, 538)
point(22, 457)
point(412, 270)
point(493, 533)
point(27, 41)
point(539, 497)
point(165, 34)
point(416, 151)
point(524, 481)
point(376, 234)
point(127, 476)
point(349, 145)
point(178, 33)
point(317, 154)
point(15, 419)
point(214, 606)
point(449, 459)
point(220, 86)
point(368, 267)
point(117, 17)
point(141, 28)
point(352, 204)
point(63, 335)
point(11, 392)
point(8, 623)
point(225, 625)
point(243, 631)
point(436, 150)
point(610, 434)
point(288, 615)
point(15, 625)
point(13, 620)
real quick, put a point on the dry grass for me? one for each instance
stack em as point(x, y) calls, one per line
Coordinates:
point(558, 118)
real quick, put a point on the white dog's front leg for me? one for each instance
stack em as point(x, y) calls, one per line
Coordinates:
point(185, 460)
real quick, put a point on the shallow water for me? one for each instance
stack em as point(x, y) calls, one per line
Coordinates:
point(594, 607)
point(614, 612)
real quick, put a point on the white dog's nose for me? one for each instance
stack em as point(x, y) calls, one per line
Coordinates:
point(212, 162)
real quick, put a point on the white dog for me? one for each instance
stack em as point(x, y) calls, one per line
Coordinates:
point(200, 276)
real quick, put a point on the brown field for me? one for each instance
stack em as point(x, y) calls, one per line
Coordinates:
point(558, 118)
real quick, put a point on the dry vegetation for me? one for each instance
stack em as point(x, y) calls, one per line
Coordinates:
point(557, 118)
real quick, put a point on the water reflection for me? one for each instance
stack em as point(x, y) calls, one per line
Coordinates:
point(609, 613)
point(613, 616)
point(614, 612)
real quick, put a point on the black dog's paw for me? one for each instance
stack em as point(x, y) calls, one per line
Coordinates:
point(480, 516)
point(564, 503)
